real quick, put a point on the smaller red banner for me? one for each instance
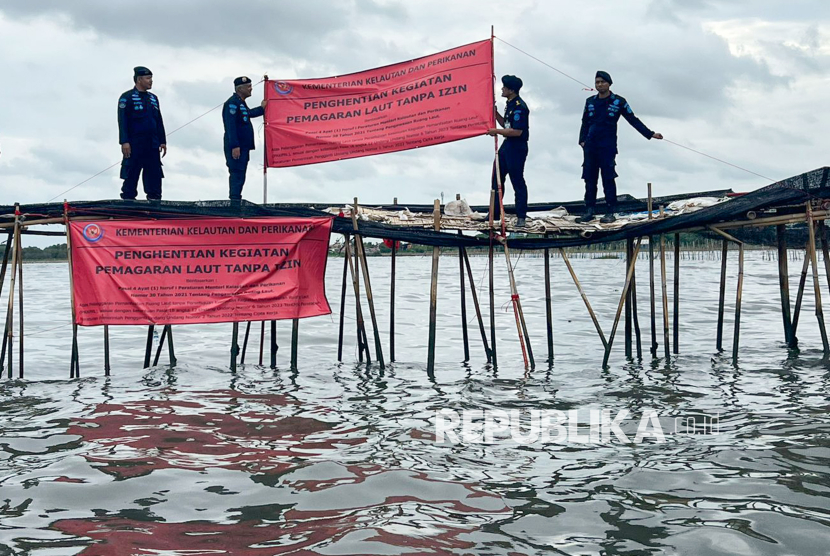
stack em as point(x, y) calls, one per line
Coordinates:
point(189, 271)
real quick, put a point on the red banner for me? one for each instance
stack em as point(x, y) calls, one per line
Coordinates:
point(199, 270)
point(435, 99)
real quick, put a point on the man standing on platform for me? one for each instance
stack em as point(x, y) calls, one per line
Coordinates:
point(239, 134)
point(142, 137)
point(513, 151)
point(598, 139)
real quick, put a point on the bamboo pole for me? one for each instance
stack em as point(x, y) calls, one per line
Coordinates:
point(722, 297)
point(433, 291)
point(234, 343)
point(634, 316)
point(629, 249)
point(521, 326)
point(170, 351)
point(621, 304)
point(274, 346)
point(19, 246)
point(361, 335)
point(784, 281)
point(10, 313)
point(161, 345)
point(343, 299)
point(664, 291)
point(487, 351)
point(492, 291)
point(463, 288)
point(739, 293)
point(816, 285)
point(799, 297)
point(245, 342)
point(364, 266)
point(676, 298)
point(584, 297)
point(295, 339)
point(548, 304)
point(651, 281)
point(148, 348)
point(261, 341)
point(6, 254)
point(74, 363)
point(392, 297)
point(106, 350)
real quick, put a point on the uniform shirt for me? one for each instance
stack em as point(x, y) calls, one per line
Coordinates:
point(239, 132)
point(517, 116)
point(600, 117)
point(139, 118)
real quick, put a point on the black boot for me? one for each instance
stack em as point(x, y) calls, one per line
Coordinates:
point(609, 216)
point(587, 216)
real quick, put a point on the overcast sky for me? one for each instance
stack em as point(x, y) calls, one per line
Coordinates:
point(745, 81)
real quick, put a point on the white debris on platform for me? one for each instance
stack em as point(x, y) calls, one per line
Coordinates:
point(459, 216)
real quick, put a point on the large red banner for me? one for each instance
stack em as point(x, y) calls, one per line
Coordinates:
point(186, 271)
point(435, 99)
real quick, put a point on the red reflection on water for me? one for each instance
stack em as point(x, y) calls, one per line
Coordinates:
point(255, 433)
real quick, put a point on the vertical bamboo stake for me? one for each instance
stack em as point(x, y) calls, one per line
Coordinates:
point(6, 254)
point(10, 314)
point(366, 282)
point(476, 305)
point(816, 285)
point(738, 302)
point(722, 298)
point(261, 341)
point(362, 344)
point(343, 298)
point(274, 346)
point(234, 344)
point(548, 304)
point(623, 298)
point(161, 345)
point(492, 292)
point(295, 337)
point(676, 299)
point(148, 349)
point(74, 364)
point(629, 253)
point(170, 352)
point(521, 326)
point(664, 290)
point(433, 291)
point(20, 304)
point(651, 281)
point(106, 350)
point(463, 289)
point(634, 316)
point(825, 251)
point(392, 297)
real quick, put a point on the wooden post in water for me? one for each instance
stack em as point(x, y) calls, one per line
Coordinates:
point(738, 295)
point(20, 304)
point(234, 344)
point(623, 298)
point(664, 291)
point(74, 364)
point(148, 348)
point(816, 285)
point(722, 297)
point(261, 341)
point(634, 316)
point(629, 253)
point(6, 254)
point(170, 352)
point(784, 279)
point(676, 299)
point(584, 298)
point(392, 296)
point(366, 282)
point(106, 350)
point(274, 346)
point(548, 304)
point(433, 291)
point(161, 345)
point(295, 340)
point(10, 314)
point(343, 298)
point(492, 292)
point(476, 305)
point(245, 342)
point(799, 297)
point(362, 343)
point(651, 282)
point(463, 288)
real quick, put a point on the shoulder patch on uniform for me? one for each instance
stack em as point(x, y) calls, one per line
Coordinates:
point(232, 108)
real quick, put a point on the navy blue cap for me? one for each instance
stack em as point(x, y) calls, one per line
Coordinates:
point(512, 82)
point(605, 76)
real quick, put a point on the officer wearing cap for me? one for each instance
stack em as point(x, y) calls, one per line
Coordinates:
point(513, 150)
point(239, 133)
point(142, 137)
point(598, 139)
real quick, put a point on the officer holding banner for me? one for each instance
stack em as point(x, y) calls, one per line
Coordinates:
point(513, 151)
point(239, 134)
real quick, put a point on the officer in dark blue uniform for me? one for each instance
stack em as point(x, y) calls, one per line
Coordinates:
point(142, 137)
point(598, 139)
point(239, 134)
point(513, 150)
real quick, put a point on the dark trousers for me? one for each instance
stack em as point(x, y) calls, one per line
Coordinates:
point(596, 160)
point(237, 169)
point(512, 157)
point(145, 159)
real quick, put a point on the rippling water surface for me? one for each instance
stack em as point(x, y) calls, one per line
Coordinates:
point(342, 458)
